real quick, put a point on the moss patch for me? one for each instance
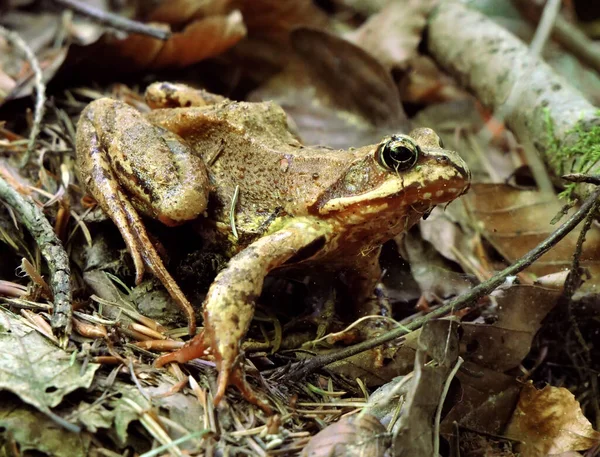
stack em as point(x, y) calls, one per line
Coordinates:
point(579, 151)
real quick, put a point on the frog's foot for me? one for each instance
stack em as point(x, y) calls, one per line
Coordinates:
point(234, 374)
point(230, 371)
point(193, 349)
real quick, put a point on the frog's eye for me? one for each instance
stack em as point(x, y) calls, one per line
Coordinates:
point(398, 153)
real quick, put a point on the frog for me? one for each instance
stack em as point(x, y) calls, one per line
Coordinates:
point(270, 203)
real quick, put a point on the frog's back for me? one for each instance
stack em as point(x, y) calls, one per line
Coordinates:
point(248, 146)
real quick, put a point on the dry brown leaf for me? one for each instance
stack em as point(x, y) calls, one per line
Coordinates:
point(358, 435)
point(435, 275)
point(207, 37)
point(514, 221)
point(549, 422)
point(393, 35)
point(504, 344)
point(485, 402)
point(337, 94)
point(425, 83)
point(415, 434)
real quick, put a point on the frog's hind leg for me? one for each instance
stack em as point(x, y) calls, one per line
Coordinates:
point(112, 182)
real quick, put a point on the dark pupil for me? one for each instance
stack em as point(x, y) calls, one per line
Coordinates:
point(400, 154)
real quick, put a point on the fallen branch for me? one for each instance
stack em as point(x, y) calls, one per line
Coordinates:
point(552, 116)
point(52, 251)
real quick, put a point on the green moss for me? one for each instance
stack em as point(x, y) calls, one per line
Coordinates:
point(579, 150)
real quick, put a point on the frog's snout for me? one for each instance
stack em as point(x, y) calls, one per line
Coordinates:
point(460, 166)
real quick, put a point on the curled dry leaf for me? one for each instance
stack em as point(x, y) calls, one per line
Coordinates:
point(204, 38)
point(201, 39)
point(550, 421)
point(393, 35)
point(358, 435)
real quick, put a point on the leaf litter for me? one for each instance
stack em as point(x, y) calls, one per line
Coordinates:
point(488, 379)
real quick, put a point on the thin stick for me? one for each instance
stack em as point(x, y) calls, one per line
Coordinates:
point(305, 368)
point(52, 250)
point(40, 88)
point(438, 413)
point(114, 20)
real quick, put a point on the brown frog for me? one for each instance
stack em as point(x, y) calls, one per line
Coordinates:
point(263, 198)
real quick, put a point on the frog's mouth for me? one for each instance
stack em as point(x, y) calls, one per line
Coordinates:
point(434, 191)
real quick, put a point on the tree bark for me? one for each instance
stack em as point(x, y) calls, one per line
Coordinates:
point(551, 115)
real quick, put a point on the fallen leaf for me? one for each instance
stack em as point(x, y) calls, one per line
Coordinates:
point(354, 436)
point(485, 402)
point(436, 276)
point(35, 370)
point(204, 38)
point(394, 33)
point(336, 93)
point(504, 344)
point(550, 421)
point(414, 434)
point(514, 221)
point(36, 434)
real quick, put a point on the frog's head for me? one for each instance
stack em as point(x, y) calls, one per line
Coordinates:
point(390, 185)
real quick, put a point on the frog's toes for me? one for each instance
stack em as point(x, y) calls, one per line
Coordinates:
point(193, 349)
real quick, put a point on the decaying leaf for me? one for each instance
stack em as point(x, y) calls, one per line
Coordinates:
point(414, 434)
point(336, 93)
point(550, 421)
point(485, 402)
point(353, 436)
point(203, 38)
point(393, 34)
point(504, 344)
point(515, 221)
point(32, 431)
point(434, 274)
point(38, 372)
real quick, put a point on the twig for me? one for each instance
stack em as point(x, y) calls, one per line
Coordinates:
point(40, 88)
point(438, 412)
point(114, 20)
point(305, 368)
point(52, 251)
point(582, 177)
point(572, 283)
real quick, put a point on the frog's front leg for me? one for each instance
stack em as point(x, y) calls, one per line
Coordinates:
point(126, 163)
point(229, 305)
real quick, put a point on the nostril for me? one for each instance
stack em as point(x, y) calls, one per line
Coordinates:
point(442, 159)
